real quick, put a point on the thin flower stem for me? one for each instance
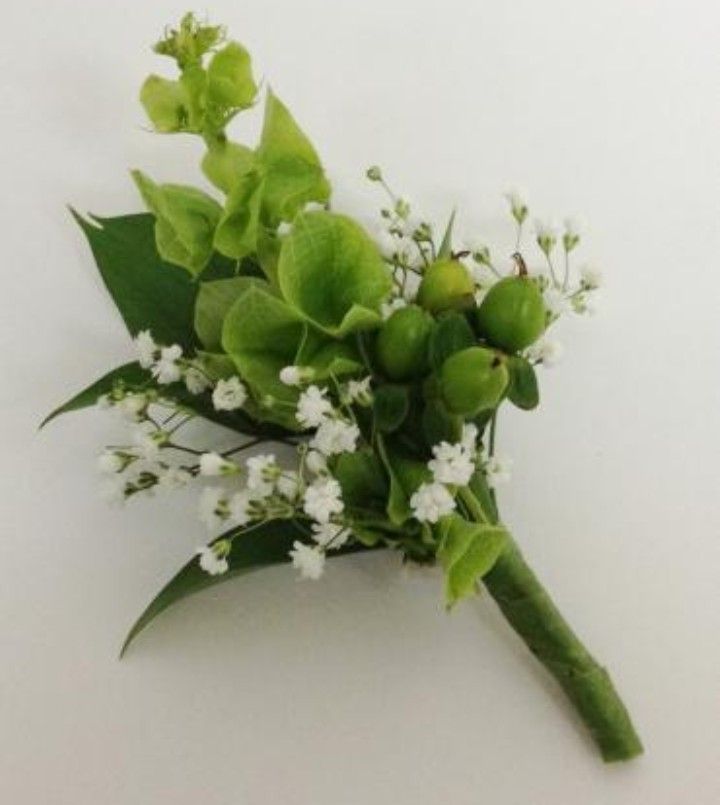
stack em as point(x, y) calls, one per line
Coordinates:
point(493, 429)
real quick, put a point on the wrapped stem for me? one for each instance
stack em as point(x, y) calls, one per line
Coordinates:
point(532, 614)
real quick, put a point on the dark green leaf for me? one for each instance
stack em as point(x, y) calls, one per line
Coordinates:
point(523, 388)
point(439, 425)
point(265, 545)
point(362, 479)
point(398, 508)
point(451, 334)
point(390, 406)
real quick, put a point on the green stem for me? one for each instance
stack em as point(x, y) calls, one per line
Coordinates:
point(532, 614)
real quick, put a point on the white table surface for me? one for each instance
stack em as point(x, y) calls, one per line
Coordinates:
point(360, 690)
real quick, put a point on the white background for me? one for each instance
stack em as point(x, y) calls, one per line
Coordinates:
point(360, 690)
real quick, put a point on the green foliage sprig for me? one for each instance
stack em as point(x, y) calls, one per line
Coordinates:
point(380, 363)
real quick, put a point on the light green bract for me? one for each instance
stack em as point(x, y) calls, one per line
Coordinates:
point(379, 364)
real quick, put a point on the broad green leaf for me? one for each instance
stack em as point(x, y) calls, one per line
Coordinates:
point(185, 222)
point(333, 274)
point(149, 293)
point(363, 480)
point(165, 103)
point(438, 424)
point(264, 545)
point(467, 552)
point(226, 162)
point(390, 406)
point(452, 334)
point(237, 231)
point(214, 300)
point(523, 387)
point(445, 249)
point(262, 334)
point(294, 175)
point(328, 357)
point(131, 374)
point(268, 253)
point(230, 82)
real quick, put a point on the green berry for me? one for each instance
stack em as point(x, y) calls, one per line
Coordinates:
point(446, 285)
point(401, 348)
point(473, 380)
point(512, 314)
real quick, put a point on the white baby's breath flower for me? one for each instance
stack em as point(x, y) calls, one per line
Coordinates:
point(310, 561)
point(173, 477)
point(313, 407)
point(241, 507)
point(110, 462)
point(263, 472)
point(556, 302)
point(468, 438)
point(358, 391)
point(291, 376)
point(335, 436)
point(517, 197)
point(314, 206)
point(388, 308)
point(229, 394)
point(146, 349)
point(430, 502)
point(284, 229)
point(288, 484)
point(215, 464)
point(196, 381)
point(452, 464)
point(575, 225)
point(211, 562)
point(323, 499)
point(213, 507)
point(498, 471)
point(547, 228)
point(386, 243)
point(591, 276)
point(547, 350)
point(132, 406)
point(411, 286)
point(147, 440)
point(316, 462)
point(167, 369)
point(105, 402)
point(330, 535)
point(112, 490)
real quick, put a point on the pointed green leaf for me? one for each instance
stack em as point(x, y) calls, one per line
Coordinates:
point(185, 222)
point(333, 274)
point(293, 170)
point(230, 82)
point(362, 479)
point(226, 162)
point(467, 552)
point(237, 231)
point(445, 249)
point(452, 334)
point(214, 300)
point(264, 545)
point(523, 387)
point(149, 293)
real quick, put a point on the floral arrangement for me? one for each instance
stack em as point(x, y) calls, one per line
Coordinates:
point(379, 363)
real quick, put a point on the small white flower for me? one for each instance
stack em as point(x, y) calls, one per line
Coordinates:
point(517, 198)
point(475, 245)
point(498, 471)
point(386, 243)
point(316, 462)
point(241, 508)
point(213, 506)
point(211, 562)
point(575, 225)
point(291, 376)
point(104, 402)
point(173, 477)
point(147, 440)
point(288, 484)
point(430, 502)
point(110, 462)
point(229, 394)
point(284, 229)
point(556, 302)
point(330, 535)
point(308, 560)
point(322, 499)
point(334, 436)
point(132, 406)
point(411, 286)
point(263, 472)
point(358, 391)
point(215, 464)
point(469, 436)
point(547, 350)
point(547, 229)
point(196, 381)
point(313, 407)
point(452, 464)
point(146, 349)
point(591, 277)
point(314, 206)
point(388, 308)
point(167, 369)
